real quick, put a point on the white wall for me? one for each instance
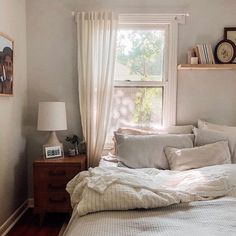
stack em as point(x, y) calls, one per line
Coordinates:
point(208, 95)
point(52, 70)
point(13, 161)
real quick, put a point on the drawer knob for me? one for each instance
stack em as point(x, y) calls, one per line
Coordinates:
point(57, 173)
point(57, 200)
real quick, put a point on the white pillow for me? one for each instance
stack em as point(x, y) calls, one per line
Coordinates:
point(197, 157)
point(180, 129)
point(206, 136)
point(147, 151)
point(223, 128)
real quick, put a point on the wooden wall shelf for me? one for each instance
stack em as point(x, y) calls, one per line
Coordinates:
point(207, 67)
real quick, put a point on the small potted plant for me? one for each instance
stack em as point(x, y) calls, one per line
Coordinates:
point(75, 141)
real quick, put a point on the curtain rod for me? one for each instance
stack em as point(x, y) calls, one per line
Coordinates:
point(180, 17)
point(73, 13)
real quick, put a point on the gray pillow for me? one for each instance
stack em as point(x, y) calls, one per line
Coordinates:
point(147, 151)
point(206, 136)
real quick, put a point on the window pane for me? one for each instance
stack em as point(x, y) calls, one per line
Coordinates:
point(136, 107)
point(140, 55)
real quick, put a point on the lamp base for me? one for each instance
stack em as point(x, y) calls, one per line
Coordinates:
point(53, 148)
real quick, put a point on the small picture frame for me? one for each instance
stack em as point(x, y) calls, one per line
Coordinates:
point(230, 34)
point(53, 152)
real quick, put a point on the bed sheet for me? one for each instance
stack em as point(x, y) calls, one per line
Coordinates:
point(214, 217)
point(108, 161)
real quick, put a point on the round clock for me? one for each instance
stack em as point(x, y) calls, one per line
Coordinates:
point(225, 51)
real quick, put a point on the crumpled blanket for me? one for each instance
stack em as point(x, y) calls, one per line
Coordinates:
point(117, 188)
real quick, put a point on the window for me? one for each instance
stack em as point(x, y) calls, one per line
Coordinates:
point(145, 72)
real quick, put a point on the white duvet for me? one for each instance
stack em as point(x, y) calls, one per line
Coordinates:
point(117, 188)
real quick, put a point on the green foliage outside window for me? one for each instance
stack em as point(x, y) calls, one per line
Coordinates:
point(140, 52)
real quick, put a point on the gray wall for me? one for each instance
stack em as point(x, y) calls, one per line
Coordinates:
point(13, 167)
point(52, 70)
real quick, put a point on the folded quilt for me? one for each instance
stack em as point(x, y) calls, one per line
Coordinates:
point(117, 188)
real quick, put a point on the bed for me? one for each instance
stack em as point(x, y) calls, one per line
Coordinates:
point(116, 200)
point(215, 217)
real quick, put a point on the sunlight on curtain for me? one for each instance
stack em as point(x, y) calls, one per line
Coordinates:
point(96, 34)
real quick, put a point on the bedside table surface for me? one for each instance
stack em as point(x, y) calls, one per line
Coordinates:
point(64, 160)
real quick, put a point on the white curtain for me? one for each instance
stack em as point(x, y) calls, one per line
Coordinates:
point(96, 56)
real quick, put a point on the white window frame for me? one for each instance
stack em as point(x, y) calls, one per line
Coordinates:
point(169, 83)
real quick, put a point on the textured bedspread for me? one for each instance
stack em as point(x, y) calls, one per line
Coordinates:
point(205, 218)
point(117, 188)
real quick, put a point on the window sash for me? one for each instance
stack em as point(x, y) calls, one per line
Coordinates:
point(130, 91)
point(166, 29)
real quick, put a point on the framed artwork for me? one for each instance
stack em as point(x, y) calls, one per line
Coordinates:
point(225, 51)
point(53, 152)
point(6, 65)
point(230, 34)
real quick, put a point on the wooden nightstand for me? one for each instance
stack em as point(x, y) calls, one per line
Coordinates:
point(50, 179)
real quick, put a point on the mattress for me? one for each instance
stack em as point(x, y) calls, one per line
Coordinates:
point(214, 217)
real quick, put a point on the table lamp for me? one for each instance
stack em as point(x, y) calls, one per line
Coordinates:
point(52, 117)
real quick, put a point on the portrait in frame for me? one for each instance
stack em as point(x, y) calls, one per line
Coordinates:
point(51, 152)
point(6, 65)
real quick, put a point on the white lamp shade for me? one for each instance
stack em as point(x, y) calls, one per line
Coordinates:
point(52, 116)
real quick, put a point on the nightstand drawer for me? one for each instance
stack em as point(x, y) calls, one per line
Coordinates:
point(56, 173)
point(52, 186)
point(54, 201)
point(58, 200)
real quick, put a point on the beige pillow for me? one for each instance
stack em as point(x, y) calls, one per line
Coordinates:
point(136, 131)
point(222, 128)
point(197, 157)
point(180, 129)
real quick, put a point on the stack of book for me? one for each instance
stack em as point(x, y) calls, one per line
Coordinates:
point(204, 53)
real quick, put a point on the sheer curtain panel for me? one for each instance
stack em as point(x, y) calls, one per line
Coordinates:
point(96, 34)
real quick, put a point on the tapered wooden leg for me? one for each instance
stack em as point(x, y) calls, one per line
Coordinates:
point(41, 218)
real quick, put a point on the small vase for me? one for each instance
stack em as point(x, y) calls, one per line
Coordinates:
point(82, 147)
point(71, 152)
point(76, 149)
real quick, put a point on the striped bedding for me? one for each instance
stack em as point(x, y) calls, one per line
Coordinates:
point(187, 197)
